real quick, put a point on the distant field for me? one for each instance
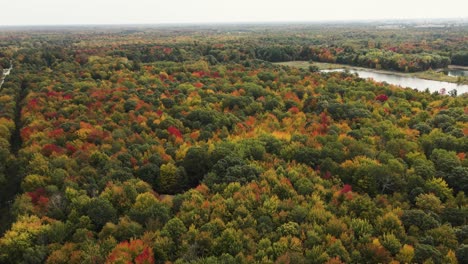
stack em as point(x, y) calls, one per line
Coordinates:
point(320, 65)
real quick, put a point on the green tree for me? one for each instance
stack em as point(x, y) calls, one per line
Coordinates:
point(229, 242)
point(175, 230)
point(462, 253)
point(424, 252)
point(125, 229)
point(19, 244)
point(101, 211)
point(196, 163)
point(444, 160)
point(231, 169)
point(419, 219)
point(457, 178)
point(391, 243)
point(147, 209)
point(429, 202)
point(172, 179)
point(148, 173)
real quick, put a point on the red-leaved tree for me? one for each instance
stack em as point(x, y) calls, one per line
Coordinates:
point(134, 251)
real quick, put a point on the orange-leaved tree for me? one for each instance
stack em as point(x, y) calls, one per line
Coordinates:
point(135, 251)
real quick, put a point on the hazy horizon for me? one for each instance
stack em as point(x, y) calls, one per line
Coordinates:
point(146, 12)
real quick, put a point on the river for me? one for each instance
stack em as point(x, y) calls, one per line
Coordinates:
point(5, 73)
point(407, 81)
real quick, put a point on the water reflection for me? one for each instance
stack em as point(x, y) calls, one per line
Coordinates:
point(456, 73)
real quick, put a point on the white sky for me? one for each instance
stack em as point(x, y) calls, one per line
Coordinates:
point(48, 12)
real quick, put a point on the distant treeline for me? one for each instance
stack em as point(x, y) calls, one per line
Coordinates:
point(369, 58)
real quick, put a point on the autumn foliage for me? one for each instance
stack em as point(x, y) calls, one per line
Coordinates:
point(176, 145)
point(133, 251)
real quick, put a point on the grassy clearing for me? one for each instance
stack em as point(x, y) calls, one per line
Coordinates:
point(320, 65)
point(439, 76)
point(458, 67)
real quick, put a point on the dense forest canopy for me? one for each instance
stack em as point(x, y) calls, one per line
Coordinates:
point(187, 145)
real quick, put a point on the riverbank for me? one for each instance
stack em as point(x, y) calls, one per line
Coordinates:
point(427, 75)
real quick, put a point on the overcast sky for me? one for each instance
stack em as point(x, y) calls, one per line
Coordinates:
point(51, 12)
